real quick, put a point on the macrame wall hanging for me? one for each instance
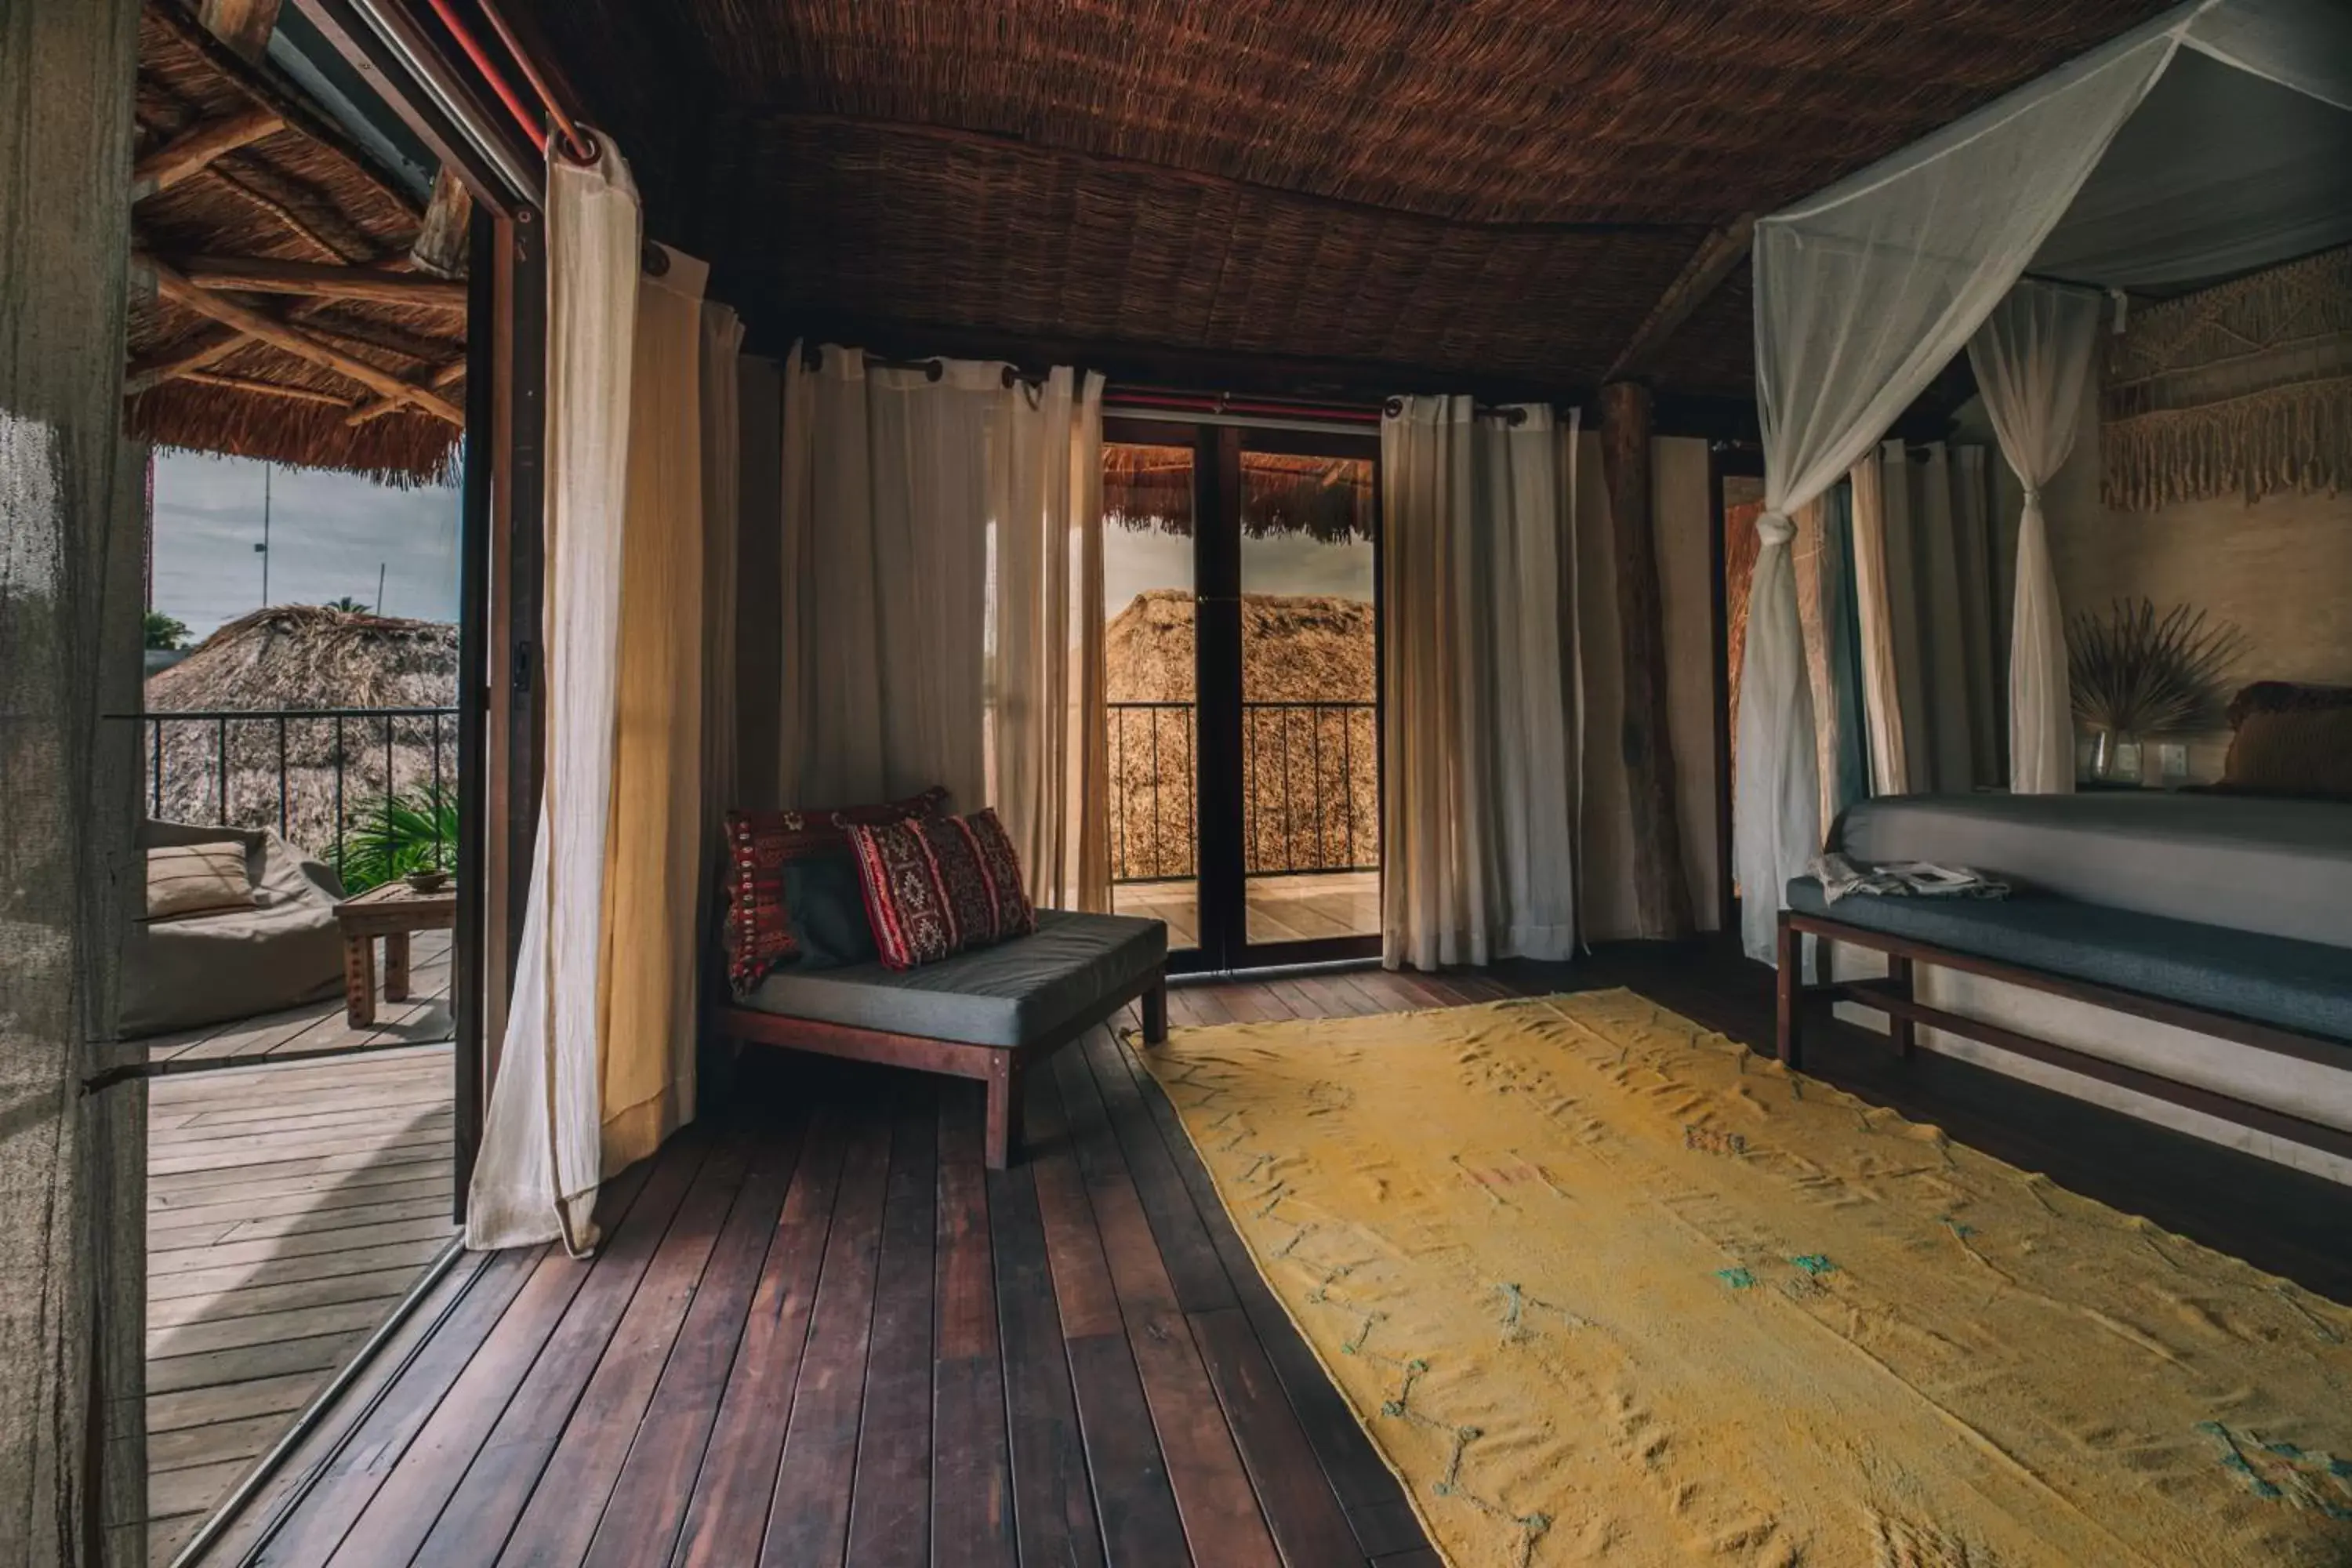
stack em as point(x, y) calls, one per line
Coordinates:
point(2243, 389)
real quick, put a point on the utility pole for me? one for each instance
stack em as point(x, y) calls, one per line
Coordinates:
point(262, 549)
point(379, 587)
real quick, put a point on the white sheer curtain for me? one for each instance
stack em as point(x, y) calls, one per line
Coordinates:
point(1475, 823)
point(2032, 361)
point(1882, 699)
point(535, 1179)
point(1863, 293)
point(884, 597)
point(1047, 741)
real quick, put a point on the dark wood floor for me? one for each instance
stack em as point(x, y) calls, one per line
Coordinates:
point(819, 1332)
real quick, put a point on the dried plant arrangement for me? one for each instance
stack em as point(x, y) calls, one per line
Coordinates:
point(2136, 673)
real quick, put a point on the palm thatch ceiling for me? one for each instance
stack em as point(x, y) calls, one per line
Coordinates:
point(1403, 190)
point(282, 309)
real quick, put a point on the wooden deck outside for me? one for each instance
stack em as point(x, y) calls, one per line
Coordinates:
point(1299, 907)
point(818, 1333)
point(288, 1207)
point(320, 1027)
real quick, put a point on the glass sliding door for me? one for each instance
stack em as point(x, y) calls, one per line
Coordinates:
point(1243, 657)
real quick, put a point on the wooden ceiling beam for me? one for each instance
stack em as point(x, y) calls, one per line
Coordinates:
point(264, 388)
point(254, 275)
point(440, 380)
point(244, 26)
point(145, 375)
point(230, 311)
point(1701, 275)
point(193, 151)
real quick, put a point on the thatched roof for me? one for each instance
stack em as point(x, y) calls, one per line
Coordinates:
point(1416, 196)
point(288, 315)
point(1151, 488)
point(303, 657)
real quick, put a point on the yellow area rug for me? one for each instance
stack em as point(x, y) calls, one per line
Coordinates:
point(1605, 1287)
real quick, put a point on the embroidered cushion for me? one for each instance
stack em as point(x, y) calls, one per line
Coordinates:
point(906, 899)
point(760, 933)
point(1015, 915)
point(971, 896)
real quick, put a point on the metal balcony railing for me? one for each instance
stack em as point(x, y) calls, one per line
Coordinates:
point(308, 769)
point(1310, 782)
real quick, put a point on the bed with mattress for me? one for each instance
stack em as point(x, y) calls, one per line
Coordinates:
point(2229, 916)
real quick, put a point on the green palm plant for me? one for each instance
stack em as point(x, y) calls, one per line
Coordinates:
point(2134, 672)
point(399, 835)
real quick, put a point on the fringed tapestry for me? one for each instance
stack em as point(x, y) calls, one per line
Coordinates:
point(2242, 389)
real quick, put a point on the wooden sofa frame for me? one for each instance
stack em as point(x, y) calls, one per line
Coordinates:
point(1000, 1067)
point(1897, 997)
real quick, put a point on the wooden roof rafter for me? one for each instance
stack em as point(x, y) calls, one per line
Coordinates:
point(288, 316)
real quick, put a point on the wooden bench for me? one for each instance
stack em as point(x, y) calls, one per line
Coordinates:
point(1897, 997)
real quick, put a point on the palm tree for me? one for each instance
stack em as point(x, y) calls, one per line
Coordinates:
point(348, 605)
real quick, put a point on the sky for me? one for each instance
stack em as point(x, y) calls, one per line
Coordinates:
point(328, 534)
point(1279, 563)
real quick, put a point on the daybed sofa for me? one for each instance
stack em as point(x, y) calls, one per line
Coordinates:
point(989, 1014)
point(283, 951)
point(2229, 916)
point(807, 961)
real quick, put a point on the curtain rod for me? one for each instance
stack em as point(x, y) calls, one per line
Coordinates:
point(812, 358)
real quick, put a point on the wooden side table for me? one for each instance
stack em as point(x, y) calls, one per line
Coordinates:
point(391, 912)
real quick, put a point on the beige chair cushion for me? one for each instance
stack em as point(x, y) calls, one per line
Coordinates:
point(185, 879)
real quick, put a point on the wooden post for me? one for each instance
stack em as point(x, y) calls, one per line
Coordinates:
point(1662, 895)
point(1789, 952)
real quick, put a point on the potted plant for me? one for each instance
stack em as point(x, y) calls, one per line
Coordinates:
point(2136, 675)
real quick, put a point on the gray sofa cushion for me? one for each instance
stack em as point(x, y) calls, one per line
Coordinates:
point(1012, 994)
point(2282, 867)
point(2302, 985)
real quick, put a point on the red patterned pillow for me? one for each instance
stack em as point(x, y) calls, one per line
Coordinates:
point(1015, 915)
point(758, 844)
point(971, 896)
point(905, 897)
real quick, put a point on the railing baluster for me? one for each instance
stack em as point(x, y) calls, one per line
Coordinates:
point(1156, 838)
point(439, 848)
point(1315, 796)
point(1346, 784)
point(281, 775)
point(338, 793)
point(157, 762)
point(220, 765)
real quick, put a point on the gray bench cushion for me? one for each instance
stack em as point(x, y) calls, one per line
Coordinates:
point(2302, 985)
point(2283, 868)
point(1011, 994)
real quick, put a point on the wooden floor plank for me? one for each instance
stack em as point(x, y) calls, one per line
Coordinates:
point(1053, 1501)
point(890, 1509)
point(1213, 1497)
point(972, 1470)
point(642, 1520)
point(568, 1499)
point(727, 1514)
point(498, 1484)
point(1135, 1504)
point(808, 1517)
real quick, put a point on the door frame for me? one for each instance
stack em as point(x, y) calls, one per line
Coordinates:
point(1220, 854)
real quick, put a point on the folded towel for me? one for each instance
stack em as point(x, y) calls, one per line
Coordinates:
point(1909, 879)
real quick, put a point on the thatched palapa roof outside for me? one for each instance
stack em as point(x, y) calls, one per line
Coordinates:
point(303, 657)
point(1151, 488)
point(287, 319)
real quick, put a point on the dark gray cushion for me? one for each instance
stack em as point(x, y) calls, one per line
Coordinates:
point(825, 901)
point(2280, 868)
point(1009, 994)
point(2304, 985)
